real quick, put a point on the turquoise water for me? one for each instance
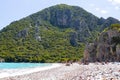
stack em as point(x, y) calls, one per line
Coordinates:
point(22, 65)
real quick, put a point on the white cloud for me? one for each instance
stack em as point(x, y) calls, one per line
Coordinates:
point(109, 0)
point(101, 10)
point(115, 2)
point(117, 7)
point(97, 9)
point(92, 5)
point(104, 11)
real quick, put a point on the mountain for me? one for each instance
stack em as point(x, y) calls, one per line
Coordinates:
point(65, 16)
point(54, 34)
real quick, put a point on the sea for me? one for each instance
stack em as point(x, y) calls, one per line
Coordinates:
point(22, 65)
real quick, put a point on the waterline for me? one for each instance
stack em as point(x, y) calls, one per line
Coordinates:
point(22, 65)
point(15, 72)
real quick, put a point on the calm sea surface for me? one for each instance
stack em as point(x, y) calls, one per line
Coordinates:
point(22, 65)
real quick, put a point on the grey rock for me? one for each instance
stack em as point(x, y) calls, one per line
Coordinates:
point(2, 60)
point(22, 33)
point(73, 39)
point(104, 49)
point(118, 52)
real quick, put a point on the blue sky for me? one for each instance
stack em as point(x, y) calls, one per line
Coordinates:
point(12, 10)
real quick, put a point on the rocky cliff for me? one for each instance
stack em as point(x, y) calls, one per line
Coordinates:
point(66, 16)
point(106, 48)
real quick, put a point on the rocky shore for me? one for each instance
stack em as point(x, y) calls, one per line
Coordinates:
point(92, 71)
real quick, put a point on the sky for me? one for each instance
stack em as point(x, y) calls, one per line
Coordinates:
point(12, 10)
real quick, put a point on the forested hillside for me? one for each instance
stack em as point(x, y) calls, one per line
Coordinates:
point(55, 34)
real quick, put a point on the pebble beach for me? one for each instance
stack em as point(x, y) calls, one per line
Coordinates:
point(75, 71)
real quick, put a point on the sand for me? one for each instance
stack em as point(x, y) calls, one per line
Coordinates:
point(93, 71)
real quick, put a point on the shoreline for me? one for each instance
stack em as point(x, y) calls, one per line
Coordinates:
point(18, 72)
point(75, 71)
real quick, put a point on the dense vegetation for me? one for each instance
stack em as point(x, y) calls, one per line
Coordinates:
point(54, 45)
point(55, 34)
point(115, 40)
point(115, 27)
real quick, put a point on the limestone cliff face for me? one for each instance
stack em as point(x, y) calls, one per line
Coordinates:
point(104, 49)
point(22, 33)
point(66, 16)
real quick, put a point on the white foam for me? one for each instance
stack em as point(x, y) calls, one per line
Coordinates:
point(15, 72)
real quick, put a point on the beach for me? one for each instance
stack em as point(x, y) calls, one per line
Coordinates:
point(92, 71)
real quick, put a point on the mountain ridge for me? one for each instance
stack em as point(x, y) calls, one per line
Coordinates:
point(64, 16)
point(55, 34)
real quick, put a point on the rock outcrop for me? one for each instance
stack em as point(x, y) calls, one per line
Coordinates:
point(66, 16)
point(2, 60)
point(73, 37)
point(104, 49)
point(118, 52)
point(37, 36)
point(22, 33)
